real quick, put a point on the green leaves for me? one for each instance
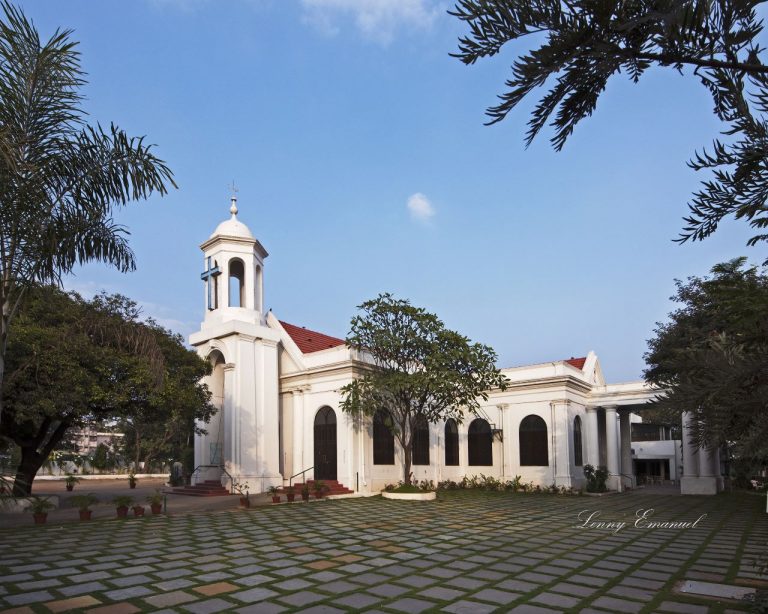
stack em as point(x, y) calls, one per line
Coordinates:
point(60, 180)
point(420, 368)
point(712, 357)
point(583, 43)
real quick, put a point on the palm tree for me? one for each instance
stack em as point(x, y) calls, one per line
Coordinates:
point(59, 177)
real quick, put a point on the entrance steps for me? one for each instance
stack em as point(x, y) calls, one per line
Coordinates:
point(209, 488)
point(334, 487)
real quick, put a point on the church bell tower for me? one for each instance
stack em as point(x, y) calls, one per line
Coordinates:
point(242, 437)
point(234, 273)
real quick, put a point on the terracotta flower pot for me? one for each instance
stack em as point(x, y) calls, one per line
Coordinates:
point(305, 497)
point(243, 501)
point(290, 496)
point(276, 499)
point(132, 484)
point(319, 494)
point(40, 518)
point(122, 511)
point(85, 514)
point(156, 508)
point(138, 510)
point(70, 487)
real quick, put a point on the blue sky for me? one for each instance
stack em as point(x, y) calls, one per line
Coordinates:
point(333, 115)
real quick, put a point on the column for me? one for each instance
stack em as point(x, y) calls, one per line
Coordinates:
point(562, 440)
point(612, 448)
point(297, 449)
point(698, 464)
point(229, 427)
point(593, 441)
point(628, 473)
point(690, 452)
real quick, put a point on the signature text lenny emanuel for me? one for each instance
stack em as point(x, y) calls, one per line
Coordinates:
point(589, 519)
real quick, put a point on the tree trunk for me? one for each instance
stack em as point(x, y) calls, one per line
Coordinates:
point(30, 464)
point(407, 464)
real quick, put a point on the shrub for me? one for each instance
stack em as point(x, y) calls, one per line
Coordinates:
point(596, 478)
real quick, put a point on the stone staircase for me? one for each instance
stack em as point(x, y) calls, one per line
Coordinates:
point(334, 487)
point(209, 488)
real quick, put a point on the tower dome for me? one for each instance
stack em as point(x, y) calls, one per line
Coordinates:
point(232, 227)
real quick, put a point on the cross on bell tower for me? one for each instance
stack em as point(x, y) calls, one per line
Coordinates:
point(209, 277)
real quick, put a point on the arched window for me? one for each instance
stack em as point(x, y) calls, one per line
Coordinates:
point(533, 442)
point(383, 439)
point(578, 451)
point(236, 283)
point(480, 443)
point(451, 443)
point(420, 441)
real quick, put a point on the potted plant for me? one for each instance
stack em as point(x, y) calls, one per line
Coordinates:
point(83, 503)
point(39, 507)
point(319, 488)
point(138, 510)
point(305, 492)
point(241, 488)
point(70, 481)
point(132, 481)
point(122, 503)
point(275, 492)
point(155, 501)
point(290, 494)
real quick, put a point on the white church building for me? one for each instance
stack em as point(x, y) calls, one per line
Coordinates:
point(277, 389)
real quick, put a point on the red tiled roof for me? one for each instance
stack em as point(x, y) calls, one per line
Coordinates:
point(310, 340)
point(577, 362)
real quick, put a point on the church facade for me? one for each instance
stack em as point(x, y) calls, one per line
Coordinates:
point(276, 386)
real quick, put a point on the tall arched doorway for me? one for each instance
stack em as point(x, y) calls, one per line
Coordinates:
point(325, 444)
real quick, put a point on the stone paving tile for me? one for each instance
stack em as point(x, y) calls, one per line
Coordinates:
point(495, 596)
point(410, 605)
point(302, 598)
point(115, 608)
point(209, 607)
point(617, 605)
point(25, 598)
point(357, 601)
point(265, 607)
point(73, 603)
point(468, 607)
point(254, 595)
point(556, 600)
point(170, 599)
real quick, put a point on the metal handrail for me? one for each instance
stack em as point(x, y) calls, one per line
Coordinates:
point(301, 473)
point(224, 471)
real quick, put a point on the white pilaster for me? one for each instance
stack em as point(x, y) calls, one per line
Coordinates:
point(562, 448)
point(628, 474)
point(612, 448)
point(593, 440)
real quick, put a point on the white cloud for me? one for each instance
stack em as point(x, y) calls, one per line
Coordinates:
point(420, 207)
point(377, 20)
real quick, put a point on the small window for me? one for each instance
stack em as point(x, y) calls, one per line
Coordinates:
point(534, 450)
point(451, 443)
point(420, 441)
point(383, 439)
point(480, 443)
point(578, 451)
point(236, 283)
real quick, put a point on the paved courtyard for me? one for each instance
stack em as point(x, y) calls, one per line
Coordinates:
point(467, 552)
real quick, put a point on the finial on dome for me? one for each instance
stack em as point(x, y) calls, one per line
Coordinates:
point(233, 200)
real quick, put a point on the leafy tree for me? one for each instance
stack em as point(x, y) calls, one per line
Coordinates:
point(103, 457)
point(73, 362)
point(419, 368)
point(712, 358)
point(162, 425)
point(60, 179)
point(585, 42)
